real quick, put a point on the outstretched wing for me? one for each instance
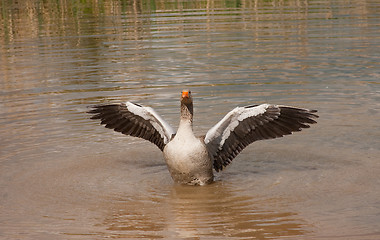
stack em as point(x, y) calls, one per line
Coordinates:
point(244, 125)
point(134, 120)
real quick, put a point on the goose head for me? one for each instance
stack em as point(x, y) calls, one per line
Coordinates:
point(186, 105)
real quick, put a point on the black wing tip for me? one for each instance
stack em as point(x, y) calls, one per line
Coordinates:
point(105, 105)
point(312, 113)
point(309, 113)
point(95, 109)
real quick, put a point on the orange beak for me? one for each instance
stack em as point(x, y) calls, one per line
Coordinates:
point(185, 94)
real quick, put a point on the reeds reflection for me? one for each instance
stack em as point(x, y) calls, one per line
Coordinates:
point(31, 18)
point(32, 32)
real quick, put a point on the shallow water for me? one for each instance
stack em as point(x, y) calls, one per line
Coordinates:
point(62, 176)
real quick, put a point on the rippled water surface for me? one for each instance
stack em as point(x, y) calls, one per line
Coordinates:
point(62, 176)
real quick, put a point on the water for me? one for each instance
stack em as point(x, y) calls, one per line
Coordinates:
point(62, 176)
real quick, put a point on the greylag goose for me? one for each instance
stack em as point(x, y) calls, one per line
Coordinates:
point(191, 159)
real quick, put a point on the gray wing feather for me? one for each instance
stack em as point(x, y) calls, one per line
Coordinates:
point(244, 125)
point(134, 120)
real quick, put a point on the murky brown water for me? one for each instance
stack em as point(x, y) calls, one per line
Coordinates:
point(62, 176)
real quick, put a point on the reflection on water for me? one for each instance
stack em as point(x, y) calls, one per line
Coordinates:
point(63, 175)
point(213, 211)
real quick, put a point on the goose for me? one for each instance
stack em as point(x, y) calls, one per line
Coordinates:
point(190, 159)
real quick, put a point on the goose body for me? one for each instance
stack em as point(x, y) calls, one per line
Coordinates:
point(191, 159)
point(187, 159)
